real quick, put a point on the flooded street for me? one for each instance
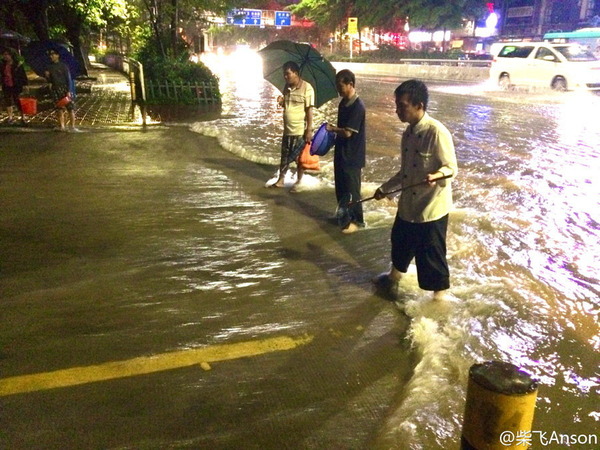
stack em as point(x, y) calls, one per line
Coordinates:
point(156, 295)
point(126, 255)
point(523, 240)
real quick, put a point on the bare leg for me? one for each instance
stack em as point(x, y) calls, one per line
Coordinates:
point(389, 283)
point(61, 118)
point(299, 174)
point(72, 116)
point(9, 111)
point(395, 274)
point(279, 182)
point(440, 295)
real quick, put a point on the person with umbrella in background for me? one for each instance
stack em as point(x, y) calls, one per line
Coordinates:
point(58, 75)
point(14, 79)
point(350, 152)
point(301, 74)
point(297, 101)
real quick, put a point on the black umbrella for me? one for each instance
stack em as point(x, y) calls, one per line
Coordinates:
point(13, 36)
point(36, 56)
point(12, 40)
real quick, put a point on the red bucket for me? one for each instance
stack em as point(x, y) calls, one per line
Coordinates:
point(28, 105)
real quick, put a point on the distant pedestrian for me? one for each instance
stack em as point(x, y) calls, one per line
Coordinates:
point(297, 101)
point(63, 92)
point(350, 152)
point(419, 231)
point(14, 79)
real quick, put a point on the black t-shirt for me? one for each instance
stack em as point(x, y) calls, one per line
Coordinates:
point(351, 152)
point(60, 77)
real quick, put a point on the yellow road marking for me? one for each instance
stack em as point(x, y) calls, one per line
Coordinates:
point(146, 364)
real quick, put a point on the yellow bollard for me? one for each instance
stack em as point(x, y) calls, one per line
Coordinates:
point(499, 408)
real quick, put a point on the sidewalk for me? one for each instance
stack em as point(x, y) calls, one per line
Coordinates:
point(104, 100)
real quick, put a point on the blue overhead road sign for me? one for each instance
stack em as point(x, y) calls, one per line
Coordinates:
point(283, 19)
point(244, 17)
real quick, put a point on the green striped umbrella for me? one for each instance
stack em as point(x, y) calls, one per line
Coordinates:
point(314, 68)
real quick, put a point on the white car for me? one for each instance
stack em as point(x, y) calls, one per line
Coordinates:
point(541, 64)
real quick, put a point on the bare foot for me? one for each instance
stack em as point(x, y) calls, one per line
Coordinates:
point(351, 228)
point(390, 288)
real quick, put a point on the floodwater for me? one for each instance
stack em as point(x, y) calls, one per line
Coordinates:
point(524, 240)
point(118, 245)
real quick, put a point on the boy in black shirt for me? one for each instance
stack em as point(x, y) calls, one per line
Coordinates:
point(59, 76)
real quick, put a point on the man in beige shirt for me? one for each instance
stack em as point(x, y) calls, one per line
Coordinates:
point(297, 101)
point(419, 231)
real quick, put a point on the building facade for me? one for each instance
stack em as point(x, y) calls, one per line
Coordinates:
point(533, 18)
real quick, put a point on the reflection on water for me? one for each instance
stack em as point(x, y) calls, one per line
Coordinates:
point(524, 240)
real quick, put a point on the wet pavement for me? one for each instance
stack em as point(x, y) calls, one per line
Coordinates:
point(103, 99)
point(155, 296)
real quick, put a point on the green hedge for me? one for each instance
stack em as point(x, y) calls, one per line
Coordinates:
point(176, 70)
point(392, 54)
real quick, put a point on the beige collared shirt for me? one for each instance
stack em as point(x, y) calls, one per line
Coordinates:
point(296, 101)
point(426, 148)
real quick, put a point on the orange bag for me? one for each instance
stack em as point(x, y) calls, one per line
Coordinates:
point(308, 161)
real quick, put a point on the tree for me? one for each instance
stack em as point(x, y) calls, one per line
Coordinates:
point(388, 15)
point(326, 13)
point(167, 16)
point(12, 17)
point(427, 14)
point(444, 14)
point(70, 18)
point(78, 17)
point(36, 12)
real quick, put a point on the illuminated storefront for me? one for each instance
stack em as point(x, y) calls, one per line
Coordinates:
point(533, 18)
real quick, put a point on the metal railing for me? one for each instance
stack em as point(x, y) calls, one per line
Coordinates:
point(135, 72)
point(201, 92)
point(447, 62)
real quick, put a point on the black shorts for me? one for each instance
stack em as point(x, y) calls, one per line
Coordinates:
point(11, 96)
point(426, 243)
